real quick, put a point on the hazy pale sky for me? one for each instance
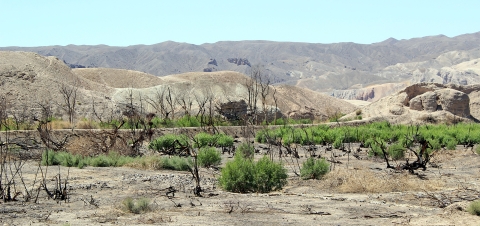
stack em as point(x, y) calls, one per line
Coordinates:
point(123, 23)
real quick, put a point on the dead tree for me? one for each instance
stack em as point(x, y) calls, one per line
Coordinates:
point(69, 95)
point(416, 145)
point(140, 123)
point(22, 116)
point(185, 101)
point(264, 81)
point(159, 103)
point(44, 129)
point(105, 140)
point(170, 98)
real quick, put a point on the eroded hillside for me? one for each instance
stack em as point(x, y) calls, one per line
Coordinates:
point(31, 80)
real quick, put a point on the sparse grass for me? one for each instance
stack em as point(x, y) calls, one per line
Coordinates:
point(477, 149)
point(147, 162)
point(60, 124)
point(138, 206)
point(474, 208)
point(87, 124)
point(366, 181)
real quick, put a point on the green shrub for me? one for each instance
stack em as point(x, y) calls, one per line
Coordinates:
point(279, 121)
point(177, 163)
point(338, 143)
point(48, 158)
point(100, 161)
point(169, 141)
point(396, 151)
point(141, 205)
point(188, 121)
point(224, 140)
point(269, 176)
point(204, 140)
point(314, 168)
point(246, 150)
point(451, 144)
point(474, 208)
point(244, 175)
point(209, 156)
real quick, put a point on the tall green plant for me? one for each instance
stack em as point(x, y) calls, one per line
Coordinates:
point(314, 168)
point(243, 175)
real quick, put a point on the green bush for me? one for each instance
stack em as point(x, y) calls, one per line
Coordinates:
point(188, 121)
point(314, 168)
point(114, 159)
point(204, 140)
point(396, 151)
point(209, 156)
point(246, 150)
point(60, 158)
point(48, 158)
point(338, 143)
point(169, 141)
point(100, 161)
point(279, 121)
point(244, 175)
point(177, 163)
point(474, 208)
point(224, 140)
point(141, 205)
point(269, 176)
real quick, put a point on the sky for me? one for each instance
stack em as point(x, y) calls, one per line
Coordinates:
point(30, 23)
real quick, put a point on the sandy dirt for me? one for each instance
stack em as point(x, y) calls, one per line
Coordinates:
point(96, 195)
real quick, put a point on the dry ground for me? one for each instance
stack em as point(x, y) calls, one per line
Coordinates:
point(356, 192)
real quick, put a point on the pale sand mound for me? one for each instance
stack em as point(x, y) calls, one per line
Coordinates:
point(28, 79)
point(118, 78)
point(358, 103)
point(228, 86)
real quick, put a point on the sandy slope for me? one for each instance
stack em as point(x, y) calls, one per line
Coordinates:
point(30, 78)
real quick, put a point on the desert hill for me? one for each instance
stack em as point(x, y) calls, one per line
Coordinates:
point(319, 67)
point(29, 79)
point(426, 103)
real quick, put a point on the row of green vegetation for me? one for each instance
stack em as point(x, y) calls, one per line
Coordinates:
point(371, 135)
point(156, 122)
point(201, 140)
point(114, 159)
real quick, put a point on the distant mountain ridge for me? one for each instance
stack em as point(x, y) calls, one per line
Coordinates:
point(320, 67)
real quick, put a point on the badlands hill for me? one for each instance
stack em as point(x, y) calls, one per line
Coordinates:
point(329, 68)
point(426, 103)
point(29, 80)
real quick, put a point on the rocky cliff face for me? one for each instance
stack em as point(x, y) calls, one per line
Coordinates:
point(239, 61)
point(371, 93)
point(432, 101)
